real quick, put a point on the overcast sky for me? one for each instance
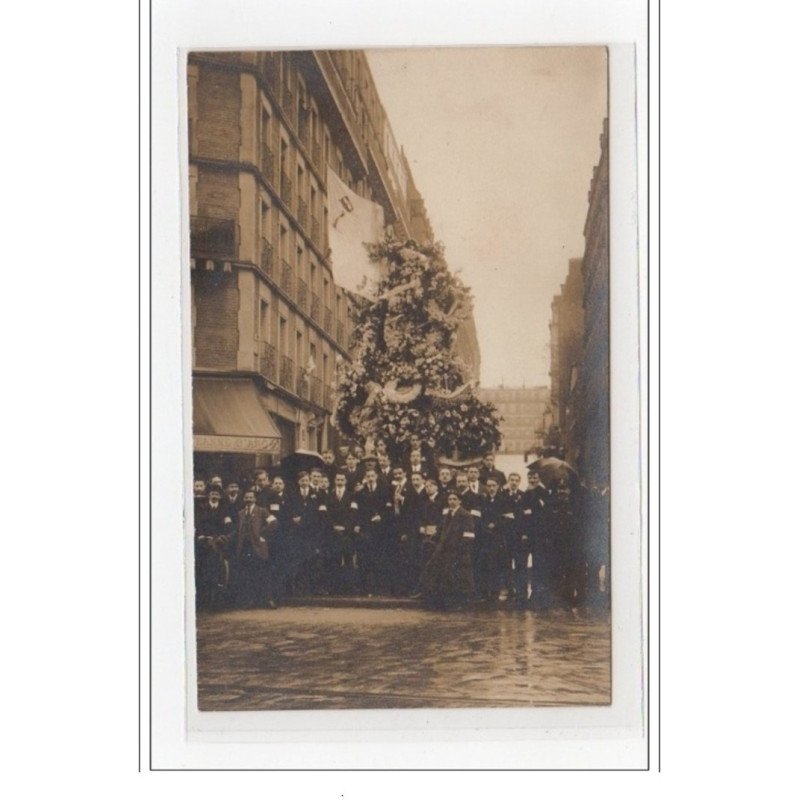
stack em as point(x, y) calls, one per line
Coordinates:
point(501, 143)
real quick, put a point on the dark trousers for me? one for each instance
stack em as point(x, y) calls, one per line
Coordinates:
point(491, 563)
point(250, 581)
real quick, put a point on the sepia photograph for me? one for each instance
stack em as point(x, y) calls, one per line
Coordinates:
point(398, 263)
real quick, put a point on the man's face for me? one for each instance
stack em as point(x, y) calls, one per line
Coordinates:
point(359, 451)
point(340, 481)
point(233, 489)
point(491, 487)
point(343, 453)
point(431, 488)
point(415, 457)
point(462, 482)
point(216, 481)
point(370, 476)
point(303, 481)
point(324, 483)
point(327, 457)
point(513, 482)
point(415, 442)
point(472, 473)
point(444, 476)
point(398, 475)
point(214, 496)
point(416, 481)
point(278, 485)
point(383, 460)
point(199, 488)
point(316, 477)
point(262, 480)
point(453, 502)
point(380, 446)
point(533, 480)
point(351, 461)
point(249, 498)
point(488, 461)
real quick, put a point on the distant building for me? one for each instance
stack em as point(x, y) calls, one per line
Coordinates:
point(522, 410)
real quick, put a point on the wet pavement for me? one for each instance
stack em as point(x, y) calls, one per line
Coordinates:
point(338, 658)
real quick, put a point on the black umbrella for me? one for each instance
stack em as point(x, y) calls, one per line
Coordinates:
point(553, 470)
point(299, 461)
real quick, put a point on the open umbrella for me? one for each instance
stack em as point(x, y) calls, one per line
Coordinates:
point(299, 461)
point(553, 470)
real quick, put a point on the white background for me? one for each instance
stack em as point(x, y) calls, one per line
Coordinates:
point(729, 555)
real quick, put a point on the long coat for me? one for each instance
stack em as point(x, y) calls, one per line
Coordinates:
point(449, 571)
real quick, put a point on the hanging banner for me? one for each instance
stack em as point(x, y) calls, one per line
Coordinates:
point(352, 221)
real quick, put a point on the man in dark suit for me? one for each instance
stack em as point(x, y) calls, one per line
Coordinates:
point(416, 465)
point(250, 554)
point(303, 533)
point(537, 541)
point(447, 579)
point(491, 545)
point(262, 488)
point(353, 472)
point(342, 510)
point(212, 528)
point(447, 481)
point(474, 481)
point(487, 470)
point(375, 510)
point(233, 500)
point(516, 555)
point(426, 454)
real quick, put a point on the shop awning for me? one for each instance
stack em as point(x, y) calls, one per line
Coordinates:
point(229, 417)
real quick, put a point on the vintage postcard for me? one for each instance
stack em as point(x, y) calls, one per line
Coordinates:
point(400, 378)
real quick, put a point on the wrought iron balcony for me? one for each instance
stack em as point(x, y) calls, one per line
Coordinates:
point(267, 163)
point(268, 361)
point(266, 258)
point(302, 294)
point(287, 373)
point(302, 212)
point(287, 102)
point(316, 391)
point(286, 276)
point(316, 307)
point(327, 320)
point(286, 189)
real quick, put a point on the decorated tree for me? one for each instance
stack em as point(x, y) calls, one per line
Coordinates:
point(405, 377)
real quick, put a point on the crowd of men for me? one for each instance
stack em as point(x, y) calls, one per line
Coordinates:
point(372, 525)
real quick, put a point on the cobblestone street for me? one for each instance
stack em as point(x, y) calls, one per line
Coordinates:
point(320, 657)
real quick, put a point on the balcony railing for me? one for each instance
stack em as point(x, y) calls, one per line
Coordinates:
point(301, 389)
point(316, 307)
point(286, 378)
point(266, 258)
point(268, 361)
point(316, 155)
point(340, 334)
point(327, 398)
point(286, 276)
point(267, 163)
point(287, 101)
point(302, 294)
point(302, 212)
point(316, 391)
point(286, 189)
point(303, 127)
point(315, 231)
point(327, 320)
